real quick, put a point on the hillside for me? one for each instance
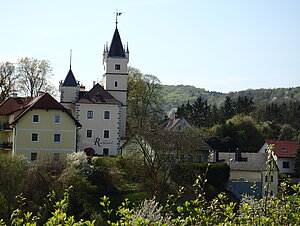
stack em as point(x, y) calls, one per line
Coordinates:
point(174, 96)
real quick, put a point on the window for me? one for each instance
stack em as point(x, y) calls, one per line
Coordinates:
point(89, 133)
point(35, 118)
point(266, 178)
point(56, 157)
point(106, 133)
point(33, 156)
point(285, 165)
point(283, 150)
point(56, 138)
point(272, 178)
point(90, 114)
point(105, 151)
point(57, 119)
point(117, 67)
point(34, 137)
point(116, 83)
point(106, 114)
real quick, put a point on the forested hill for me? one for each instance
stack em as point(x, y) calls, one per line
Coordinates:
point(174, 96)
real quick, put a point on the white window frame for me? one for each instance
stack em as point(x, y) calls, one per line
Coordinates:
point(87, 133)
point(57, 142)
point(104, 115)
point(88, 116)
point(32, 160)
point(35, 141)
point(106, 130)
point(55, 117)
point(38, 117)
point(107, 151)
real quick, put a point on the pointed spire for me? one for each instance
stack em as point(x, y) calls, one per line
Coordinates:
point(116, 46)
point(127, 49)
point(70, 58)
point(70, 78)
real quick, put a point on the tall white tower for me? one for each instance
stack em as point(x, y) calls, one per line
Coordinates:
point(115, 60)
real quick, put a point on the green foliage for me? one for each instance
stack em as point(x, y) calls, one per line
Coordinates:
point(7, 80)
point(185, 174)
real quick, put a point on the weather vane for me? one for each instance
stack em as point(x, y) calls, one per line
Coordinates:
point(117, 14)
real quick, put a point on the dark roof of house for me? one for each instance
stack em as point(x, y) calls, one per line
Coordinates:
point(255, 161)
point(180, 141)
point(116, 47)
point(45, 101)
point(98, 95)
point(70, 79)
point(284, 148)
point(11, 104)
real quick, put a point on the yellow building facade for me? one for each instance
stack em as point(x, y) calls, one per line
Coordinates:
point(39, 129)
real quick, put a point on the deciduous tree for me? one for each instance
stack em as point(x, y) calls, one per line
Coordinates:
point(7, 79)
point(33, 76)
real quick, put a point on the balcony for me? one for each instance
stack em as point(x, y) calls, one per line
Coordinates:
point(5, 145)
point(5, 127)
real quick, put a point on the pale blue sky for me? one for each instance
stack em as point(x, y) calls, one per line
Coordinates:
point(219, 45)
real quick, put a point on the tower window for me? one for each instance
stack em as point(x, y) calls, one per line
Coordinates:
point(106, 133)
point(116, 83)
point(117, 67)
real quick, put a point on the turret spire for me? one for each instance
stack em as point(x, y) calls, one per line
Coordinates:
point(70, 58)
point(117, 14)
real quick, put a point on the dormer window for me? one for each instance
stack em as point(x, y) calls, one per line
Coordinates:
point(283, 150)
point(117, 67)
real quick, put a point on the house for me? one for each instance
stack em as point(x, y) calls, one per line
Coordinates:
point(38, 128)
point(176, 124)
point(101, 110)
point(284, 154)
point(247, 169)
point(175, 146)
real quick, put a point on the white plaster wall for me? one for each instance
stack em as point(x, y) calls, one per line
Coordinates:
point(109, 65)
point(291, 161)
point(98, 124)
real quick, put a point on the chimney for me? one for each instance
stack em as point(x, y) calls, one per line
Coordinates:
point(238, 156)
point(94, 83)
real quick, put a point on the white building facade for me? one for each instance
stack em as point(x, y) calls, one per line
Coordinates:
point(102, 110)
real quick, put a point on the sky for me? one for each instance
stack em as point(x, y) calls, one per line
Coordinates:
point(218, 45)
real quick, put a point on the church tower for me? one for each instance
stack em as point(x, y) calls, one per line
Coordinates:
point(115, 60)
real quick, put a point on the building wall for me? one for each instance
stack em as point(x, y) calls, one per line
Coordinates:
point(98, 124)
point(45, 147)
point(291, 163)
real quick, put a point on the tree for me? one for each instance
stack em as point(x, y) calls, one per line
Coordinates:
point(7, 80)
point(228, 108)
point(144, 94)
point(33, 76)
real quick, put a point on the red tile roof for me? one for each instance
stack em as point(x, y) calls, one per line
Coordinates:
point(11, 104)
point(45, 101)
point(284, 148)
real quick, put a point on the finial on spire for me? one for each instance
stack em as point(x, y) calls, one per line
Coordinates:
point(117, 14)
point(70, 58)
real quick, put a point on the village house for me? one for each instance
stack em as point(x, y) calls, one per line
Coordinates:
point(38, 128)
point(248, 169)
point(284, 154)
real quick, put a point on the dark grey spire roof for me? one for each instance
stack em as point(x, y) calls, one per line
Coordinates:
point(70, 79)
point(116, 47)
